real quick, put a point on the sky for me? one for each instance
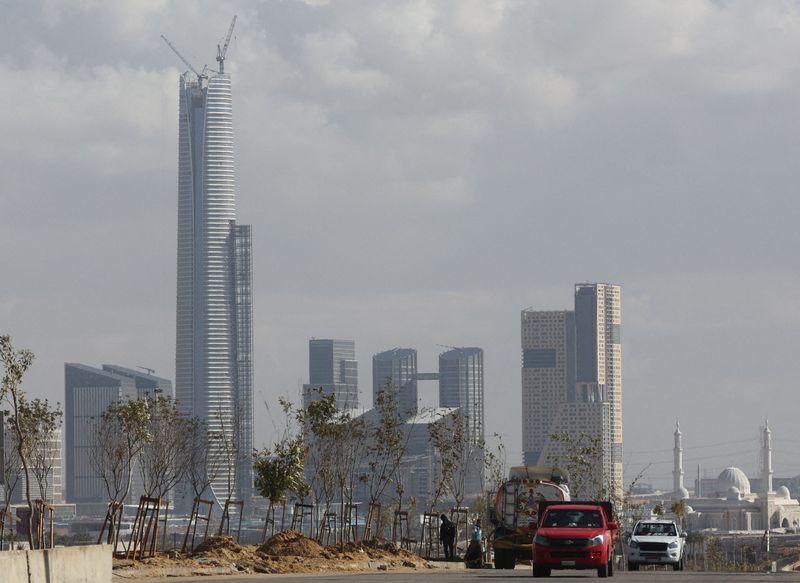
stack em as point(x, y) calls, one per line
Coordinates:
point(418, 172)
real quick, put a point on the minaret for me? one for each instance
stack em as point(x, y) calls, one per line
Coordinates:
point(766, 455)
point(677, 456)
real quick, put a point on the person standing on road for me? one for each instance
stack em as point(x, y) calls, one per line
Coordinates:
point(447, 536)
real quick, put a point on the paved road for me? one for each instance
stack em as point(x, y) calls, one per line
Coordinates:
point(492, 576)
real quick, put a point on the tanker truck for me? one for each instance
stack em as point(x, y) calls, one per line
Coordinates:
point(515, 515)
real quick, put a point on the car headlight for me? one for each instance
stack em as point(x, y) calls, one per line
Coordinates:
point(541, 540)
point(633, 544)
point(596, 541)
point(674, 545)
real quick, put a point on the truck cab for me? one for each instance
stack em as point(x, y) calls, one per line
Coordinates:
point(575, 535)
point(656, 542)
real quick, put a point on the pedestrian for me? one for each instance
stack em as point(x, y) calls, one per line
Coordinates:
point(447, 536)
point(473, 558)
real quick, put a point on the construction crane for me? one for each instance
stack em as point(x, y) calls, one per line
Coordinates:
point(182, 58)
point(222, 51)
point(149, 371)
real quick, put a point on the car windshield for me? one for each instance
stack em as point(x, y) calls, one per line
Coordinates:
point(655, 529)
point(570, 518)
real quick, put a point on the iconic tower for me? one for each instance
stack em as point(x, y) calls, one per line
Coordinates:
point(213, 352)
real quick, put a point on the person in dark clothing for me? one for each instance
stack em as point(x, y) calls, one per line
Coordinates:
point(447, 536)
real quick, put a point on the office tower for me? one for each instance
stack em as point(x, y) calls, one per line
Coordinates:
point(147, 385)
point(213, 353)
point(461, 385)
point(548, 376)
point(599, 360)
point(397, 368)
point(332, 370)
point(572, 379)
point(88, 392)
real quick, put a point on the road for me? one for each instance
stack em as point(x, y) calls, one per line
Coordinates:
point(492, 576)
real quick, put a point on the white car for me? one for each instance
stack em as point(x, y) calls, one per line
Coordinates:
point(656, 542)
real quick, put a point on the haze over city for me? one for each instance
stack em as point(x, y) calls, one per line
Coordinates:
point(416, 174)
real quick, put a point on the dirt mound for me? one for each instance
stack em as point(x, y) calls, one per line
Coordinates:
point(216, 544)
point(290, 543)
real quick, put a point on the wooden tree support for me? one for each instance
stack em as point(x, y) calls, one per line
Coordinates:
point(269, 523)
point(196, 516)
point(144, 537)
point(350, 523)
point(400, 534)
point(327, 528)
point(372, 524)
point(225, 521)
point(460, 516)
point(429, 537)
point(301, 512)
point(44, 513)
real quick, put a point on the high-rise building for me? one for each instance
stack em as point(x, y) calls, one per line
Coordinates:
point(147, 385)
point(572, 379)
point(332, 370)
point(88, 392)
point(461, 385)
point(396, 369)
point(213, 353)
point(599, 360)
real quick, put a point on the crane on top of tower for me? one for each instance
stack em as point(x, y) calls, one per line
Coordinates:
point(185, 62)
point(222, 51)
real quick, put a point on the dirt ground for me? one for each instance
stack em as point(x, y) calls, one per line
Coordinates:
point(286, 552)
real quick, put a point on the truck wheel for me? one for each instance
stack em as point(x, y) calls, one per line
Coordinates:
point(502, 558)
point(633, 566)
point(541, 571)
point(602, 571)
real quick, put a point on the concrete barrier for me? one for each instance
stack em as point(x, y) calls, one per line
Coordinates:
point(89, 564)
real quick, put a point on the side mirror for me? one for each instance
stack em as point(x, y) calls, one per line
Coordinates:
point(613, 525)
point(683, 534)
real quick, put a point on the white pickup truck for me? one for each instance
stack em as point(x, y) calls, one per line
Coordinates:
point(656, 542)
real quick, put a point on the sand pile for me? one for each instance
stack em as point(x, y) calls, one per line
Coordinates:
point(290, 543)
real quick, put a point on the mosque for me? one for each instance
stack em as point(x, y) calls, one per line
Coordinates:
point(729, 504)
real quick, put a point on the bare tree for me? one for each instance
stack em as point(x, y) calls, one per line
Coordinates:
point(386, 446)
point(202, 463)
point(581, 455)
point(45, 445)
point(161, 461)
point(120, 434)
point(454, 452)
point(11, 474)
point(30, 421)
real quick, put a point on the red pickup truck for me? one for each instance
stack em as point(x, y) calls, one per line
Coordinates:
point(575, 535)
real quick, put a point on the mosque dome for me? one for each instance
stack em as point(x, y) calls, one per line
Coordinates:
point(783, 492)
point(733, 477)
point(681, 494)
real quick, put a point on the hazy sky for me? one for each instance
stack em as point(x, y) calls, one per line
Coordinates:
point(416, 173)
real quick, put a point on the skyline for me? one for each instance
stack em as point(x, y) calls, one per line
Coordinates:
point(478, 158)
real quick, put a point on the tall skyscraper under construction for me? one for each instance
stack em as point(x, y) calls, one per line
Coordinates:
point(214, 348)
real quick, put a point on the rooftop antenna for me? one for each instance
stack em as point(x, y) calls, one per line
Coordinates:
point(222, 51)
point(185, 62)
point(147, 370)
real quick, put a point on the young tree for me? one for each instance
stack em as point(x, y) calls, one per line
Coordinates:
point(202, 463)
point(455, 457)
point(40, 424)
point(120, 434)
point(280, 471)
point(161, 461)
point(386, 444)
point(15, 364)
point(581, 456)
